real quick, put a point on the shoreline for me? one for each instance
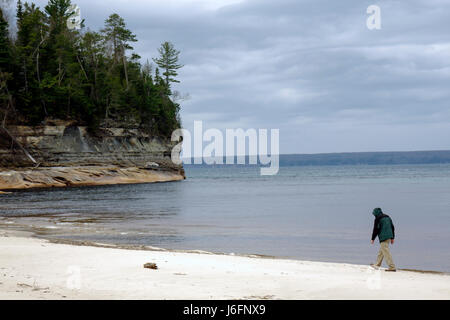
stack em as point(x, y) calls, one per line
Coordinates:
point(136, 247)
point(37, 233)
point(36, 268)
point(141, 247)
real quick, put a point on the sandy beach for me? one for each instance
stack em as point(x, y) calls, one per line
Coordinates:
point(32, 268)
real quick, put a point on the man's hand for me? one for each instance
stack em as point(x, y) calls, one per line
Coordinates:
point(392, 241)
point(371, 241)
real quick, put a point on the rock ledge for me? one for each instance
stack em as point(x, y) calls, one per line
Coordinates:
point(51, 177)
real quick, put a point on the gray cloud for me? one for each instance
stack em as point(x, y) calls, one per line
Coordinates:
point(310, 68)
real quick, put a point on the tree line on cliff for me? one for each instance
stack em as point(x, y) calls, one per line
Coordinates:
point(51, 71)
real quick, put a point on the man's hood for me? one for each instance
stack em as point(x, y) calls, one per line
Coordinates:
point(377, 212)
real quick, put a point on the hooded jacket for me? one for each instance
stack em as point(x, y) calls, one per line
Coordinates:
point(383, 226)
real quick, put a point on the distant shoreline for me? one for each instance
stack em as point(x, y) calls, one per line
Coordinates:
point(359, 158)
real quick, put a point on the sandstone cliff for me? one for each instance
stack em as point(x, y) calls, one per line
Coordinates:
point(64, 154)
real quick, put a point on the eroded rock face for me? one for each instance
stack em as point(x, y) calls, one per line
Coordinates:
point(69, 146)
point(73, 145)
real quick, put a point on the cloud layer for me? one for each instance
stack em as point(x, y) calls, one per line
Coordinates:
point(310, 68)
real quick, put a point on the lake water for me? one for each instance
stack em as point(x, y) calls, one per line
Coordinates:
point(318, 213)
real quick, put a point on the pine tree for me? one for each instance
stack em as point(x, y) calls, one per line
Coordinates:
point(58, 12)
point(19, 14)
point(117, 35)
point(5, 67)
point(168, 61)
point(31, 34)
point(4, 43)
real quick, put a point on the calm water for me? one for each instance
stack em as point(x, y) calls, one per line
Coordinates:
point(316, 213)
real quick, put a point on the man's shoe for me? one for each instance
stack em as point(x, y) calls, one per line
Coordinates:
point(375, 266)
point(391, 270)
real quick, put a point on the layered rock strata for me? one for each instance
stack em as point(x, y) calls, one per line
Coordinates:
point(64, 154)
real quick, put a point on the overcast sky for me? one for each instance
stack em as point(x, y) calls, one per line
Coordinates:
point(310, 68)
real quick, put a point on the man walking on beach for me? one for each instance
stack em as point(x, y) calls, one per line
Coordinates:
point(383, 228)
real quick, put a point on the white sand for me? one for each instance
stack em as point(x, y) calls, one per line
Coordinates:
point(37, 269)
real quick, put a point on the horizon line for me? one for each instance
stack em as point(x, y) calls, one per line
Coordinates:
point(329, 153)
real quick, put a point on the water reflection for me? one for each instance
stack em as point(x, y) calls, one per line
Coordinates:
point(120, 214)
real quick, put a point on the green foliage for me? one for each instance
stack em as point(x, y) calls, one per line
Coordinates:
point(83, 75)
point(168, 61)
point(118, 36)
point(4, 43)
point(58, 13)
point(19, 10)
point(5, 68)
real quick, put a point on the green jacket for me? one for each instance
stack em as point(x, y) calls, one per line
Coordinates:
point(383, 226)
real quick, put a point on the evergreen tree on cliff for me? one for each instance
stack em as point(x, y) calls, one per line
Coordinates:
point(31, 33)
point(5, 67)
point(168, 61)
point(52, 71)
point(4, 44)
point(117, 35)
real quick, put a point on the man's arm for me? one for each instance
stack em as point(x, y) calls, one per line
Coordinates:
point(375, 230)
point(393, 230)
